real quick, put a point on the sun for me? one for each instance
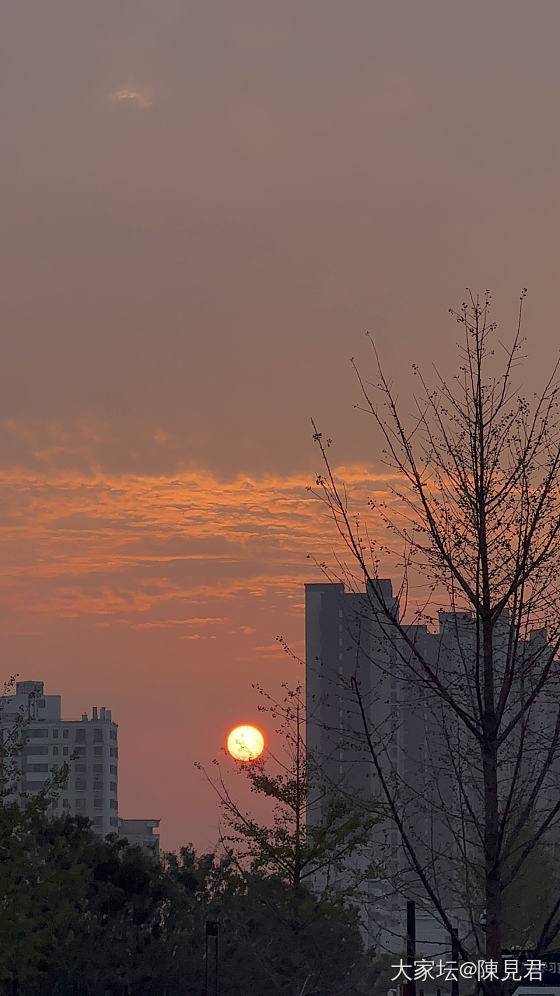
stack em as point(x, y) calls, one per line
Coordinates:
point(245, 743)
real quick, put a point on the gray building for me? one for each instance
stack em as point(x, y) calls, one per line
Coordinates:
point(349, 648)
point(88, 745)
point(422, 752)
point(141, 833)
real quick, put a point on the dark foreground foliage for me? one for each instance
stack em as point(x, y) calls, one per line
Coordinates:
point(81, 916)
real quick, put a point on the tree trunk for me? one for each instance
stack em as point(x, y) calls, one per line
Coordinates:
point(493, 885)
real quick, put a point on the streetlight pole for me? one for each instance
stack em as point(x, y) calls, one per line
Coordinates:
point(211, 931)
point(411, 943)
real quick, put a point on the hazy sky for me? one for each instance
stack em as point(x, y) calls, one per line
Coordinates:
point(205, 205)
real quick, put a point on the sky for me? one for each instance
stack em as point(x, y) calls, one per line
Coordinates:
point(205, 205)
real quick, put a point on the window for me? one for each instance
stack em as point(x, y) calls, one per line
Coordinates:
point(55, 751)
point(113, 769)
point(32, 786)
point(98, 820)
point(98, 751)
point(79, 752)
point(54, 804)
point(35, 749)
point(65, 803)
point(114, 821)
point(65, 734)
point(37, 733)
point(113, 786)
point(65, 751)
point(81, 767)
point(113, 734)
point(80, 785)
point(79, 736)
point(98, 802)
point(114, 752)
point(42, 703)
point(37, 767)
point(80, 804)
point(98, 769)
point(113, 803)
point(98, 735)
point(55, 734)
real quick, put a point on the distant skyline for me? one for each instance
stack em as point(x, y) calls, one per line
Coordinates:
point(205, 206)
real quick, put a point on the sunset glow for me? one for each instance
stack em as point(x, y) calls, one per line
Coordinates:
point(159, 579)
point(209, 205)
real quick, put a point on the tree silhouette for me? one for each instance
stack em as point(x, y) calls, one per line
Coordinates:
point(295, 873)
point(473, 519)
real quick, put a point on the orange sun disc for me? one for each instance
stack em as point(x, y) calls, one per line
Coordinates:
point(245, 743)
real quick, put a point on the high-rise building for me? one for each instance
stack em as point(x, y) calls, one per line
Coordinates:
point(361, 675)
point(46, 741)
point(349, 649)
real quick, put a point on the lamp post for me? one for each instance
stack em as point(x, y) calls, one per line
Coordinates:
point(455, 959)
point(211, 932)
point(411, 940)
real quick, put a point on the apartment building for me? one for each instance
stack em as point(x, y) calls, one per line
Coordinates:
point(88, 745)
point(346, 644)
point(424, 753)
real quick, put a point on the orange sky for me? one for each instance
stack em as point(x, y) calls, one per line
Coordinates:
point(206, 204)
point(161, 598)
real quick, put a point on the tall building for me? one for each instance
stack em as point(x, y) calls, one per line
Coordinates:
point(422, 751)
point(88, 745)
point(349, 648)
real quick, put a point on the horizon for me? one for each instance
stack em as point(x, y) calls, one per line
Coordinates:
point(207, 206)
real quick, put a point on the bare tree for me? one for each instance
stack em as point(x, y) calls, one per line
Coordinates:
point(474, 513)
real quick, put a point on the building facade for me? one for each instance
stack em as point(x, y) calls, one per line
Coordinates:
point(45, 742)
point(422, 751)
point(347, 647)
point(141, 833)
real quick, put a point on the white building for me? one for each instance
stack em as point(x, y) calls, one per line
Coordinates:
point(88, 745)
